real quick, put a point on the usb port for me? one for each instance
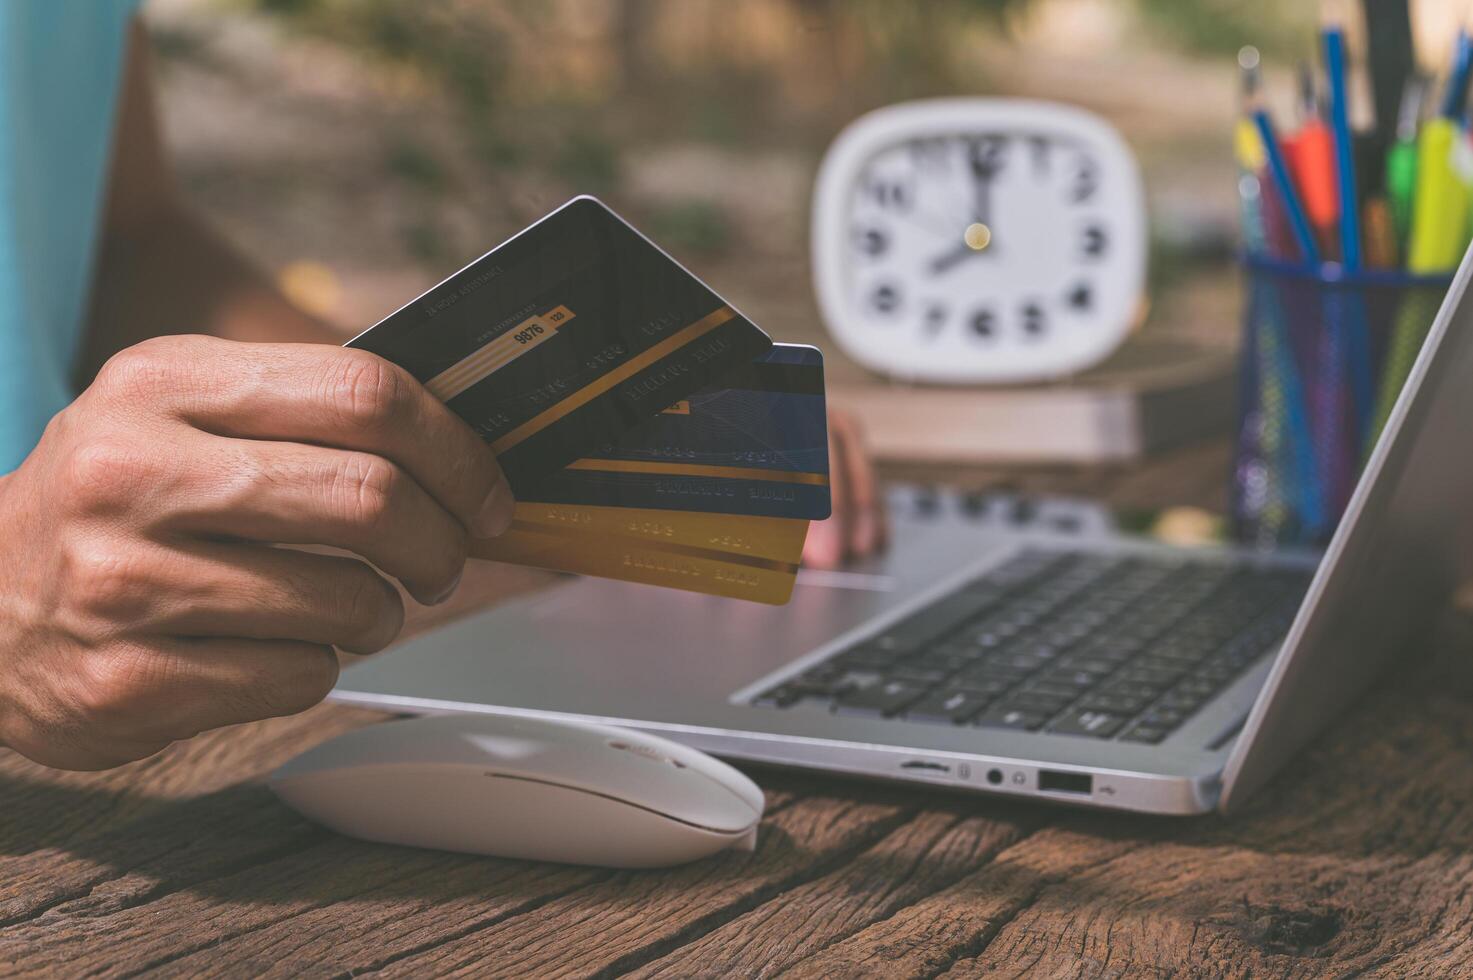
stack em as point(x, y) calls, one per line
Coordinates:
point(1065, 782)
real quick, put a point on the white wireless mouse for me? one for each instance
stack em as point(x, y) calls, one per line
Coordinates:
point(525, 788)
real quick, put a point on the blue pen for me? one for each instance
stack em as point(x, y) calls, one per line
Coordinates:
point(1457, 81)
point(1285, 186)
point(1344, 152)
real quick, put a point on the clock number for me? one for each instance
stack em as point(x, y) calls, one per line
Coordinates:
point(872, 242)
point(1038, 155)
point(1033, 319)
point(987, 155)
point(1081, 297)
point(885, 299)
point(984, 324)
point(1085, 181)
point(1095, 241)
point(934, 321)
point(890, 193)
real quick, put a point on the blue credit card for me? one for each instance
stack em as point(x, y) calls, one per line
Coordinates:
point(755, 443)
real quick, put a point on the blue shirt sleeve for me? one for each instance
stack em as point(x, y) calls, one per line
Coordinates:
point(61, 68)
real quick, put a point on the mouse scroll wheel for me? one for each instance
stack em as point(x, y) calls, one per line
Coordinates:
point(647, 752)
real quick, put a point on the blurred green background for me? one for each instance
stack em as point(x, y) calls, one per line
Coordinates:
point(365, 148)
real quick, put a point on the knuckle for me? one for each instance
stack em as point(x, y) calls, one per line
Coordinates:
point(139, 370)
point(366, 391)
point(316, 673)
point(366, 489)
point(107, 475)
point(292, 687)
point(367, 606)
point(109, 583)
point(118, 687)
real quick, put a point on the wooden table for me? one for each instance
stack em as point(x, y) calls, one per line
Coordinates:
point(1359, 857)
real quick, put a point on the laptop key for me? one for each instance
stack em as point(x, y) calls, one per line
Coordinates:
point(1066, 691)
point(1152, 676)
point(1033, 701)
point(867, 656)
point(879, 699)
point(983, 687)
point(1082, 680)
point(1148, 734)
point(925, 677)
point(1161, 718)
point(1114, 703)
point(778, 697)
point(952, 706)
point(1011, 718)
point(1081, 721)
point(1185, 703)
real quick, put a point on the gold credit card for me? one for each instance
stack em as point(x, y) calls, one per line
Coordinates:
point(754, 558)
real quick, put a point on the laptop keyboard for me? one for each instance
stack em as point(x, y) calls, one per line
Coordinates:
point(1095, 646)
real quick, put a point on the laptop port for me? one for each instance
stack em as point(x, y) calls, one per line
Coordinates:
point(1065, 782)
point(925, 765)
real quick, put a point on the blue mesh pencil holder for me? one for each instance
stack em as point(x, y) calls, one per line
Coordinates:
point(1324, 355)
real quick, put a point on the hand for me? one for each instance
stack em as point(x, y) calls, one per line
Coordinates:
point(142, 598)
point(857, 527)
point(985, 161)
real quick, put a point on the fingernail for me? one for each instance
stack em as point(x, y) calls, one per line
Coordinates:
point(450, 590)
point(495, 514)
point(823, 547)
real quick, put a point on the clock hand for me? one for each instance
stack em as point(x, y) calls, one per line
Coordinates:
point(945, 261)
point(976, 240)
point(984, 168)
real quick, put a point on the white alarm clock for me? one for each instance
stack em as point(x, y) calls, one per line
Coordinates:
point(979, 240)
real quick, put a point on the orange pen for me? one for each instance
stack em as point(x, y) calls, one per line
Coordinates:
point(1311, 153)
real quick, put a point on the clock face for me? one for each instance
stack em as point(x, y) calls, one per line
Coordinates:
point(980, 240)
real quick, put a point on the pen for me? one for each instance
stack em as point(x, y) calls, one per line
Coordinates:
point(1311, 155)
point(1334, 40)
point(1382, 248)
point(1284, 184)
point(1248, 151)
point(1457, 83)
point(1401, 158)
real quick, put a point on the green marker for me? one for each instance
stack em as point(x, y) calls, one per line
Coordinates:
point(1401, 160)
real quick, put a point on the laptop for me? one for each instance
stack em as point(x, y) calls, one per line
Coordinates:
point(1093, 669)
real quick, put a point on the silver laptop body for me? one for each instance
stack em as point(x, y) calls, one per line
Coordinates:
point(689, 667)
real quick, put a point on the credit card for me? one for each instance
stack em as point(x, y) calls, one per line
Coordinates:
point(755, 443)
point(560, 339)
point(753, 558)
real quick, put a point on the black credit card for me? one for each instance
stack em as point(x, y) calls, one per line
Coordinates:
point(755, 443)
point(557, 341)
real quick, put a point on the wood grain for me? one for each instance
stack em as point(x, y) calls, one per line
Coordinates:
point(1356, 860)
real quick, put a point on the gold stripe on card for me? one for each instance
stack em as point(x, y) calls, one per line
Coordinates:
point(497, 353)
point(771, 537)
point(664, 547)
point(698, 469)
point(618, 375)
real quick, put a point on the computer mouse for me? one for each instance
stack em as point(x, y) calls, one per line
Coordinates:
point(522, 787)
